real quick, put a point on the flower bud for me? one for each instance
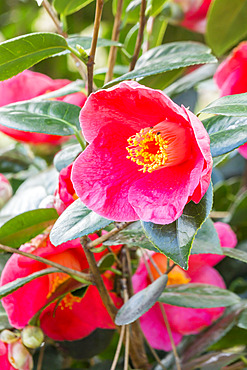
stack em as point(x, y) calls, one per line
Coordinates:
point(8, 336)
point(32, 336)
point(19, 357)
point(5, 190)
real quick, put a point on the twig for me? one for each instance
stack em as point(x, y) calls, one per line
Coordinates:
point(127, 347)
point(115, 37)
point(47, 6)
point(139, 36)
point(119, 345)
point(150, 24)
point(104, 294)
point(67, 270)
point(107, 236)
point(90, 63)
point(41, 356)
point(218, 214)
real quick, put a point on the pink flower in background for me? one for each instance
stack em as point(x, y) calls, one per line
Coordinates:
point(27, 85)
point(182, 320)
point(5, 190)
point(195, 12)
point(147, 156)
point(231, 77)
point(15, 354)
point(65, 194)
point(73, 317)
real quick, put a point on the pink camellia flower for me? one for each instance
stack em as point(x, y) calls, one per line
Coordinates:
point(195, 12)
point(65, 194)
point(15, 356)
point(5, 190)
point(73, 317)
point(147, 156)
point(231, 77)
point(27, 85)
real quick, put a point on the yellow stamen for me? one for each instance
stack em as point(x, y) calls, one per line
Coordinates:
point(147, 149)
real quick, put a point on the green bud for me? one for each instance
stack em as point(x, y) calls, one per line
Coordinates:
point(32, 336)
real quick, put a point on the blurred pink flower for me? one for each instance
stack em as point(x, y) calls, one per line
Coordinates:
point(15, 354)
point(195, 12)
point(5, 190)
point(231, 77)
point(27, 85)
point(182, 320)
point(147, 156)
point(73, 317)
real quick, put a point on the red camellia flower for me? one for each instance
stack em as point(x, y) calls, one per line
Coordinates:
point(27, 85)
point(231, 77)
point(195, 12)
point(71, 318)
point(147, 156)
point(182, 320)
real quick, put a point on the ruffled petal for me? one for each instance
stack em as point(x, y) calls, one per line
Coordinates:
point(102, 175)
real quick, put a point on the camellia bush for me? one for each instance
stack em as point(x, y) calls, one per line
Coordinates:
point(123, 184)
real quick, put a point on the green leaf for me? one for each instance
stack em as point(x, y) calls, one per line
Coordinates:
point(198, 296)
point(175, 239)
point(66, 156)
point(18, 283)
point(238, 211)
point(67, 7)
point(106, 262)
point(86, 41)
point(141, 302)
point(207, 240)
point(26, 226)
point(4, 322)
point(237, 254)
point(50, 117)
point(242, 321)
point(226, 133)
point(190, 80)
point(76, 221)
point(226, 24)
point(71, 88)
point(232, 105)
point(154, 7)
point(168, 57)
point(24, 51)
point(215, 360)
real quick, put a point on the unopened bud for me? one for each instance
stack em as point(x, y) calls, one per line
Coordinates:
point(8, 336)
point(5, 190)
point(82, 51)
point(19, 357)
point(32, 336)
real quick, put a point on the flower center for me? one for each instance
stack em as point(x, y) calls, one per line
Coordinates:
point(166, 144)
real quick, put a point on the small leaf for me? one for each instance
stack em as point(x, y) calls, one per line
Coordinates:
point(226, 24)
point(106, 262)
point(237, 254)
point(23, 52)
point(242, 320)
point(207, 240)
point(26, 226)
point(238, 211)
point(18, 283)
point(67, 7)
point(175, 239)
point(50, 117)
point(232, 105)
point(198, 296)
point(86, 41)
point(166, 58)
point(141, 302)
point(76, 221)
point(66, 156)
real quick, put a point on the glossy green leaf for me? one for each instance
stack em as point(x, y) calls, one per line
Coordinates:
point(66, 156)
point(226, 24)
point(242, 321)
point(141, 302)
point(232, 105)
point(86, 41)
point(226, 133)
point(207, 240)
point(190, 80)
point(77, 220)
point(67, 7)
point(239, 211)
point(23, 52)
point(175, 239)
point(18, 283)
point(198, 296)
point(168, 57)
point(49, 117)
point(154, 7)
point(26, 226)
point(237, 254)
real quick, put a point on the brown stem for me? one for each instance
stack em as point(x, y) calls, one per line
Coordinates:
point(127, 347)
point(107, 236)
point(67, 270)
point(115, 37)
point(90, 63)
point(139, 36)
point(119, 346)
point(41, 356)
point(47, 6)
